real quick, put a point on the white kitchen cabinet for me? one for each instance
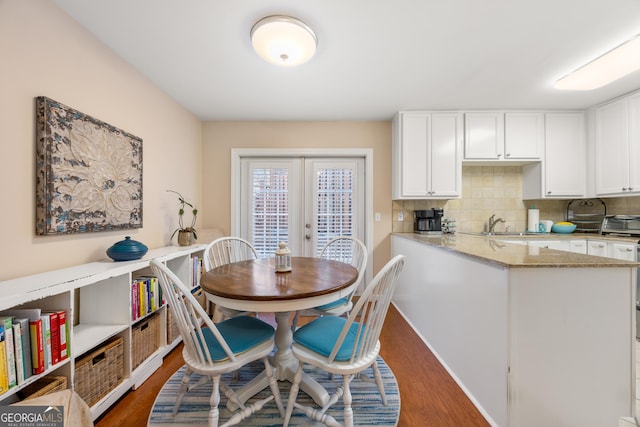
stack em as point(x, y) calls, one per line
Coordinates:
point(617, 147)
point(597, 248)
point(427, 158)
point(625, 251)
point(561, 173)
point(523, 135)
point(578, 246)
point(534, 333)
point(503, 136)
point(561, 245)
point(97, 298)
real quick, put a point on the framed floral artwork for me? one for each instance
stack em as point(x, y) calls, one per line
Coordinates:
point(88, 173)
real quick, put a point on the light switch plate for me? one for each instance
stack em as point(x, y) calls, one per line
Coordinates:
point(377, 216)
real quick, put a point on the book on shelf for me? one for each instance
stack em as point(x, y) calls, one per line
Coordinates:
point(46, 340)
point(4, 375)
point(142, 298)
point(7, 324)
point(17, 343)
point(62, 322)
point(197, 270)
point(146, 296)
point(37, 346)
point(54, 332)
point(26, 344)
point(29, 318)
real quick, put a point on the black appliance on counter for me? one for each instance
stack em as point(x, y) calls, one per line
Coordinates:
point(428, 221)
point(629, 226)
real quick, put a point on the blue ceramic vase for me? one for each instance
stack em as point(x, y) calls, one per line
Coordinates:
point(127, 250)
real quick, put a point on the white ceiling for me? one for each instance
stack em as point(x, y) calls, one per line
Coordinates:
point(374, 57)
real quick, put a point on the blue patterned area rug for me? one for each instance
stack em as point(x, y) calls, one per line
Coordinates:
point(368, 409)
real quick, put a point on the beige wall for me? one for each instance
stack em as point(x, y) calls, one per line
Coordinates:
point(45, 52)
point(220, 137)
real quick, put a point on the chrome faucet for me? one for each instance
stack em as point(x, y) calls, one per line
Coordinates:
point(493, 221)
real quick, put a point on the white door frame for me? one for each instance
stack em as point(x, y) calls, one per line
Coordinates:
point(367, 153)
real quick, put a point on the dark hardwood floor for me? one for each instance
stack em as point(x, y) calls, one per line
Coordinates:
point(428, 395)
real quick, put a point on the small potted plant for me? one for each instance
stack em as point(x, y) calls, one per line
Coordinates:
point(186, 235)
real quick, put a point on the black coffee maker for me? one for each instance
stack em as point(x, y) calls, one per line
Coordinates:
point(428, 221)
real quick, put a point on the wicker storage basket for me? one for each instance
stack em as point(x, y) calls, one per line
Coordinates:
point(100, 371)
point(172, 328)
point(44, 385)
point(144, 339)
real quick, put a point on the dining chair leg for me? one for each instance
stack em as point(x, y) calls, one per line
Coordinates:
point(378, 377)
point(184, 386)
point(293, 395)
point(244, 411)
point(214, 401)
point(346, 398)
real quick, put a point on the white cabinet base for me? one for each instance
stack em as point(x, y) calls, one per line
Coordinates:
point(529, 346)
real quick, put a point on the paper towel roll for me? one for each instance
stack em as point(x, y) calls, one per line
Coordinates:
point(533, 220)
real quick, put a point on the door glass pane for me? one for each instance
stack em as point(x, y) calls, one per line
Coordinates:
point(269, 209)
point(334, 196)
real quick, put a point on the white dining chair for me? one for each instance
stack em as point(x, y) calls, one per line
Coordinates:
point(345, 249)
point(212, 349)
point(345, 346)
point(222, 251)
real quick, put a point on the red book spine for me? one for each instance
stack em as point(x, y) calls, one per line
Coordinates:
point(37, 346)
point(54, 322)
point(62, 321)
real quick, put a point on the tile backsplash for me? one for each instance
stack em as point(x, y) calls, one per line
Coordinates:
point(488, 190)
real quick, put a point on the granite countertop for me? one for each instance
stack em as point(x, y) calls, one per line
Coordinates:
point(496, 249)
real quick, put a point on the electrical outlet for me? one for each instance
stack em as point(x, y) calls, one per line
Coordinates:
point(400, 216)
point(377, 216)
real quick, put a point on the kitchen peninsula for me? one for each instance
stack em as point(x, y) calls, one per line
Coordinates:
point(534, 336)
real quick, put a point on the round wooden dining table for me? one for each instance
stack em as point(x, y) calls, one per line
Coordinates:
point(255, 286)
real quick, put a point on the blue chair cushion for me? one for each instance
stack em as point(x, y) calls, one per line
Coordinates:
point(333, 304)
point(241, 334)
point(321, 335)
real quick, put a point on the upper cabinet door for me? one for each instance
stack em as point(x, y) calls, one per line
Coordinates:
point(612, 148)
point(445, 155)
point(413, 154)
point(426, 155)
point(564, 160)
point(634, 142)
point(523, 135)
point(484, 135)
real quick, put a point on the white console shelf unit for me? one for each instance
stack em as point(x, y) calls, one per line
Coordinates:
point(97, 299)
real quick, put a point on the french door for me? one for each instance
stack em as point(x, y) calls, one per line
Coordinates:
point(302, 201)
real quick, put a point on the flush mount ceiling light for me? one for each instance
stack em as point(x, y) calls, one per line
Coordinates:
point(611, 66)
point(283, 40)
